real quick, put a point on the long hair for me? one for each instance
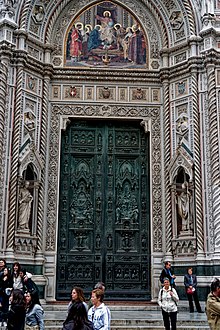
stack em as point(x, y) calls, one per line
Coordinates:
point(18, 271)
point(78, 315)
point(34, 300)
point(80, 294)
point(18, 298)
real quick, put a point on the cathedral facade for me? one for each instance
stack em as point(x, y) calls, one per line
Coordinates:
point(109, 142)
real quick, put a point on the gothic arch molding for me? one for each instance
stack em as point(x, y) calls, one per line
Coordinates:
point(161, 11)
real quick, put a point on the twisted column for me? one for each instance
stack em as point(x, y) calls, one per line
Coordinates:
point(3, 93)
point(24, 13)
point(168, 199)
point(197, 162)
point(43, 151)
point(214, 152)
point(14, 159)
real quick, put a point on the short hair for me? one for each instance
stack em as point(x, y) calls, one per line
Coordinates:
point(100, 285)
point(99, 294)
point(189, 268)
point(167, 262)
point(215, 284)
point(166, 279)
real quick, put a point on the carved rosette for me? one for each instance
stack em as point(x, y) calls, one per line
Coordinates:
point(99, 111)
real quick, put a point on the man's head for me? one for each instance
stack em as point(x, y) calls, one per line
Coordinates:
point(100, 285)
point(215, 287)
point(168, 264)
point(2, 263)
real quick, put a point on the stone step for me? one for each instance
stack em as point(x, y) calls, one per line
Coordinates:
point(128, 317)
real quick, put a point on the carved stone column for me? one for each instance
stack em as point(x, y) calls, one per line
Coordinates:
point(43, 152)
point(214, 153)
point(197, 162)
point(167, 157)
point(14, 160)
point(3, 93)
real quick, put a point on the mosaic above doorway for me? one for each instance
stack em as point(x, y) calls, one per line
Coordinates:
point(106, 35)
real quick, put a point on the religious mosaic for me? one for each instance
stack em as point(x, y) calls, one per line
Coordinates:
point(106, 35)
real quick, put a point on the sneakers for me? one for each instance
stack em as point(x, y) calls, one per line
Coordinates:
point(4, 324)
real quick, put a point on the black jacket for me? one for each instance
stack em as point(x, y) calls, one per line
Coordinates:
point(16, 318)
point(165, 273)
point(70, 326)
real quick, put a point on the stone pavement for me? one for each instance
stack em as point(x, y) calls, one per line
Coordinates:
point(136, 317)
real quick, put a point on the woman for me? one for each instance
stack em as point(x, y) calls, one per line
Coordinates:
point(99, 314)
point(6, 287)
point(77, 295)
point(167, 300)
point(190, 282)
point(17, 280)
point(77, 318)
point(16, 314)
point(34, 312)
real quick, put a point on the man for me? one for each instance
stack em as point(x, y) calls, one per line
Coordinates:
point(213, 305)
point(99, 314)
point(167, 273)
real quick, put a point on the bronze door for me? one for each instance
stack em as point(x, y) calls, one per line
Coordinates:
point(104, 212)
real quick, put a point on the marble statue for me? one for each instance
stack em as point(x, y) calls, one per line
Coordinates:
point(25, 201)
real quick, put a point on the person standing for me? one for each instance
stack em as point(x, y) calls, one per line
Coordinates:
point(6, 288)
point(99, 314)
point(190, 282)
point(213, 305)
point(167, 273)
point(16, 314)
point(167, 300)
point(77, 318)
point(34, 312)
point(77, 295)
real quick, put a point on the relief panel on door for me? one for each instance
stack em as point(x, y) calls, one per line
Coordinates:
point(104, 209)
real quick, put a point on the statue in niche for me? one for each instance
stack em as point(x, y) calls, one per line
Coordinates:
point(73, 214)
point(183, 207)
point(126, 241)
point(134, 214)
point(109, 241)
point(98, 241)
point(25, 201)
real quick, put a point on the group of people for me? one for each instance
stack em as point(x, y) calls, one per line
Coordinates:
point(92, 316)
point(20, 307)
point(168, 298)
point(130, 41)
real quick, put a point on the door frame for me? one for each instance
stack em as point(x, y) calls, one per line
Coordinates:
point(151, 121)
point(141, 227)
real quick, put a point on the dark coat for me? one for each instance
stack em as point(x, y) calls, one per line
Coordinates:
point(164, 273)
point(187, 281)
point(16, 318)
point(70, 326)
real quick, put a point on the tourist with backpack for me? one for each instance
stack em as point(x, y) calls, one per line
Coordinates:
point(167, 300)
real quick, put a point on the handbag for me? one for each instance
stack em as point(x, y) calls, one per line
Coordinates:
point(190, 290)
point(31, 327)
